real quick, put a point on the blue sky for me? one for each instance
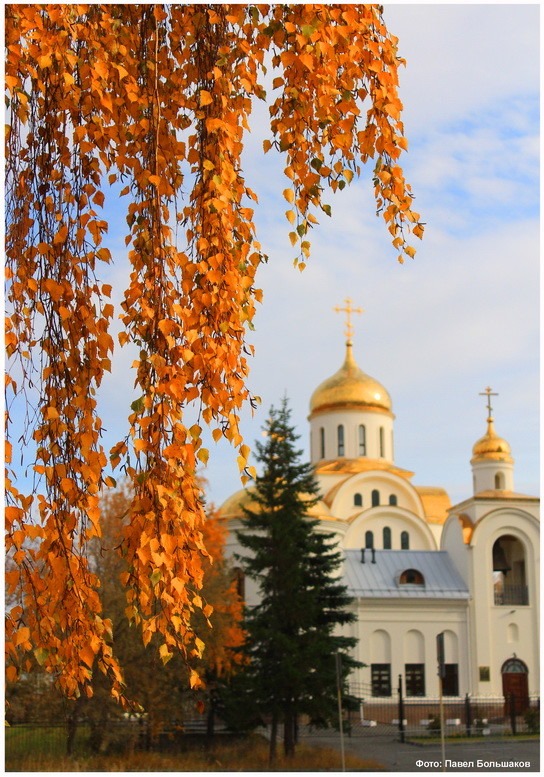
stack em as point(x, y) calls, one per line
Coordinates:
point(464, 314)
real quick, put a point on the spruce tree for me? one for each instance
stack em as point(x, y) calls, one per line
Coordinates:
point(293, 632)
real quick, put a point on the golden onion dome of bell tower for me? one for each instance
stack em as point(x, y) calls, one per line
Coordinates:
point(350, 387)
point(491, 446)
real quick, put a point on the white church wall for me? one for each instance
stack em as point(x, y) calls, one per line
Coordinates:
point(365, 488)
point(452, 541)
point(404, 632)
point(490, 475)
point(376, 519)
point(378, 444)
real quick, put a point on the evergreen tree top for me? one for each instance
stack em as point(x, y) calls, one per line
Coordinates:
point(284, 480)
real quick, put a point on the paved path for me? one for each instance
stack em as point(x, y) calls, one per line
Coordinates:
point(460, 757)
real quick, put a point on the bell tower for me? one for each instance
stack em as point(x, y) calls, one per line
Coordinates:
point(492, 463)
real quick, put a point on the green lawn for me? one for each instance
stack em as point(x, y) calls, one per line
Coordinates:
point(27, 742)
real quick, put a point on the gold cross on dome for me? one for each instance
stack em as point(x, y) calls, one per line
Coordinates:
point(348, 310)
point(488, 392)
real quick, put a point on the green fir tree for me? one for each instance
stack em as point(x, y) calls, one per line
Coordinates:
point(293, 633)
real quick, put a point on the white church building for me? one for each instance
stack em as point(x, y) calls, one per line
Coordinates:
point(415, 565)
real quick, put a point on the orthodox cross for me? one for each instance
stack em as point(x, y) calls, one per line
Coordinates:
point(348, 310)
point(488, 392)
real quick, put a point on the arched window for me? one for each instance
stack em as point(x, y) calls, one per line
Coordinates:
point(411, 577)
point(375, 498)
point(386, 538)
point(369, 539)
point(362, 440)
point(382, 446)
point(322, 443)
point(341, 448)
point(509, 572)
point(514, 666)
point(393, 499)
point(499, 481)
point(404, 540)
point(357, 500)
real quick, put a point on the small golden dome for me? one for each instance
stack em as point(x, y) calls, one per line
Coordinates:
point(491, 446)
point(350, 387)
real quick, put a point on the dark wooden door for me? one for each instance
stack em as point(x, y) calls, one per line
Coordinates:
point(516, 684)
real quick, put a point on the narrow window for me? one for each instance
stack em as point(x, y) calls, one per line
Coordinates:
point(362, 440)
point(375, 498)
point(382, 451)
point(341, 440)
point(369, 539)
point(404, 540)
point(387, 538)
point(393, 499)
point(450, 681)
point(322, 443)
point(381, 679)
point(358, 500)
point(415, 679)
point(499, 481)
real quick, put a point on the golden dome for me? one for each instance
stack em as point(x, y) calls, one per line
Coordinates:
point(233, 507)
point(350, 387)
point(491, 446)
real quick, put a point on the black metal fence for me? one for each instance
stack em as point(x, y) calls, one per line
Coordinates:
point(397, 717)
point(30, 745)
point(411, 717)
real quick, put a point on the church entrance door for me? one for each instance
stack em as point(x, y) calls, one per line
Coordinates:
point(515, 685)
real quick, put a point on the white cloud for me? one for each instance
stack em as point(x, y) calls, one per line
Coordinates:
point(462, 58)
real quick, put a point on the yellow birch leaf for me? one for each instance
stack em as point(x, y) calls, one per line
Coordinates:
point(86, 654)
point(289, 195)
point(203, 455)
point(21, 635)
point(11, 673)
point(165, 654)
point(194, 680)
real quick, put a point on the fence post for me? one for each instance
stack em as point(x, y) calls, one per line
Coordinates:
point(513, 713)
point(468, 715)
point(401, 711)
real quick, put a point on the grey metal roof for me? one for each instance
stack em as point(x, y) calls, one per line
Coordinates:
point(381, 579)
